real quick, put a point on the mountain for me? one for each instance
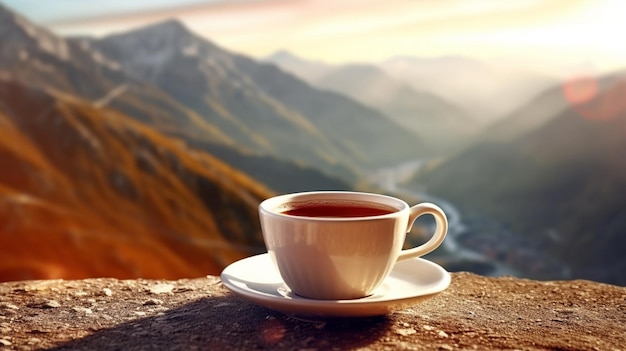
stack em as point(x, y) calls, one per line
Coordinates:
point(440, 124)
point(72, 67)
point(88, 191)
point(559, 185)
point(35, 55)
point(487, 90)
point(258, 105)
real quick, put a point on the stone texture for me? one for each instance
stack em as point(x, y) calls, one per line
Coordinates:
point(473, 313)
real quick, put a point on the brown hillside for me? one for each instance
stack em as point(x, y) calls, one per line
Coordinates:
point(90, 192)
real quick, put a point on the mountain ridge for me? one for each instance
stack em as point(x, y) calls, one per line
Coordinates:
point(258, 99)
point(442, 125)
point(104, 82)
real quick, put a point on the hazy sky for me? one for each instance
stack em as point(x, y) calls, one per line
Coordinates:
point(569, 32)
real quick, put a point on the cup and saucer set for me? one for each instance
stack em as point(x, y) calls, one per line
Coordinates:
point(339, 254)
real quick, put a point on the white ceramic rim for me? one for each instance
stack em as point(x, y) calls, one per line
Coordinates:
point(268, 206)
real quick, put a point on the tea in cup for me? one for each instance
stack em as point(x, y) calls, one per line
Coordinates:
point(336, 245)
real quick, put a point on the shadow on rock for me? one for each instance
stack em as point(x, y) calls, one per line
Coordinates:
point(230, 323)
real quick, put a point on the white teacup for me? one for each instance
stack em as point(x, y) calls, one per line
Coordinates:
point(336, 245)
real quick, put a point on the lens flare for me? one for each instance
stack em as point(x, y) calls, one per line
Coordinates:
point(580, 90)
point(596, 101)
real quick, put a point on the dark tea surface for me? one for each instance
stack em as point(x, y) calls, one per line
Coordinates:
point(338, 210)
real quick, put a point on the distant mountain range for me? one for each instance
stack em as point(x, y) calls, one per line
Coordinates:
point(442, 125)
point(555, 176)
point(488, 90)
point(460, 89)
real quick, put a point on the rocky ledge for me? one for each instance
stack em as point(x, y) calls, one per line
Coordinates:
point(473, 313)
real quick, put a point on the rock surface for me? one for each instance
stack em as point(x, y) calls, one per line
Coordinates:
point(473, 313)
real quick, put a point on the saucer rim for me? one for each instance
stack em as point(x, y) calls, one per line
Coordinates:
point(360, 307)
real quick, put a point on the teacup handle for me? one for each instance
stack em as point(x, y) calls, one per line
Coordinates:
point(440, 230)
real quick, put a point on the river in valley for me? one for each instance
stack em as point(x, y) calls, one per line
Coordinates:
point(452, 253)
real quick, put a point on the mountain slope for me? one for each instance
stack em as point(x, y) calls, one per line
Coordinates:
point(532, 115)
point(39, 56)
point(89, 192)
point(561, 184)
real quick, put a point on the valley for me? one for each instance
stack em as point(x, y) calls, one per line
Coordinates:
point(477, 244)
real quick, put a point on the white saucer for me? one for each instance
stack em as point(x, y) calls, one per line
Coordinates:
point(255, 279)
